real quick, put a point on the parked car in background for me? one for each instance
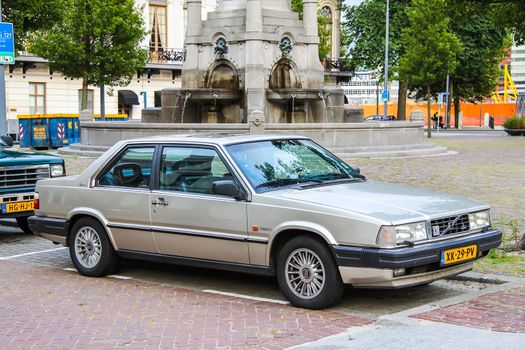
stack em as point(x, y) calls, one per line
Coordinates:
point(266, 204)
point(379, 118)
point(19, 172)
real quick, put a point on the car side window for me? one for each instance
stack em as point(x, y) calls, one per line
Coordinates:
point(193, 170)
point(131, 169)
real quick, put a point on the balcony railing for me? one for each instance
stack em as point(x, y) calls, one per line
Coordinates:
point(337, 65)
point(166, 56)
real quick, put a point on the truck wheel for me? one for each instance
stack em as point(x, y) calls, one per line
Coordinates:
point(90, 249)
point(23, 224)
point(307, 274)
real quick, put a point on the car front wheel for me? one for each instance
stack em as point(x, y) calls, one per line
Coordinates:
point(307, 274)
point(90, 248)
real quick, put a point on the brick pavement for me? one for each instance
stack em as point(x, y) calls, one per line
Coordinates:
point(47, 308)
point(502, 311)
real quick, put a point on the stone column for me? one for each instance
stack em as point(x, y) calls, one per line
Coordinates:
point(336, 30)
point(194, 17)
point(310, 17)
point(255, 98)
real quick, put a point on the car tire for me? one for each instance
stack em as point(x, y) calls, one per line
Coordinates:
point(307, 273)
point(24, 225)
point(90, 249)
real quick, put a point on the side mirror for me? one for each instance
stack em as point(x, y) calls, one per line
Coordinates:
point(228, 188)
point(357, 170)
point(7, 140)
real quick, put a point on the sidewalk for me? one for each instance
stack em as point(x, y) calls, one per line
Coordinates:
point(491, 320)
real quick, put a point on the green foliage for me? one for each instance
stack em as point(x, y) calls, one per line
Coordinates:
point(98, 41)
point(363, 31)
point(325, 35)
point(514, 123)
point(431, 47)
point(297, 6)
point(484, 44)
point(29, 16)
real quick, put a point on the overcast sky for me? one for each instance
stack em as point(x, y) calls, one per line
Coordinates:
point(353, 2)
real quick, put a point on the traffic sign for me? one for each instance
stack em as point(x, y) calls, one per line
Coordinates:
point(7, 44)
point(385, 96)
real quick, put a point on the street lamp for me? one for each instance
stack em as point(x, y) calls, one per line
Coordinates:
point(386, 96)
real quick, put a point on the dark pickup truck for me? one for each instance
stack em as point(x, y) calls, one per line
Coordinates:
point(19, 172)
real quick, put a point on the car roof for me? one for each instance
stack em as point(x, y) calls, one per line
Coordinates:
point(213, 138)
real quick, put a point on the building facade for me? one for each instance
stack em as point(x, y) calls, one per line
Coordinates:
point(365, 89)
point(32, 88)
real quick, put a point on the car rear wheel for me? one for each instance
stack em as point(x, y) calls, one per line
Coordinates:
point(24, 225)
point(307, 274)
point(90, 248)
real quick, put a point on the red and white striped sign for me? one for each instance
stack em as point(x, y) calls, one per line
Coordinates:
point(60, 131)
point(20, 131)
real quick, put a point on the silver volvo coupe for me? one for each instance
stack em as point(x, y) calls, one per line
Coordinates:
point(266, 204)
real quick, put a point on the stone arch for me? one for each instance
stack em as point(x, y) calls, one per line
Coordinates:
point(285, 75)
point(222, 74)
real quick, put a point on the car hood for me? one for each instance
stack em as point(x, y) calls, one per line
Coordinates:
point(386, 202)
point(11, 157)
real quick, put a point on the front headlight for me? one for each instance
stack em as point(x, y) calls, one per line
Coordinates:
point(390, 236)
point(479, 220)
point(57, 170)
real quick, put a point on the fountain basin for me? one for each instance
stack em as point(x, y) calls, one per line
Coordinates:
point(209, 95)
point(285, 95)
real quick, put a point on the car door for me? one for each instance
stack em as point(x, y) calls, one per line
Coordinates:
point(122, 195)
point(188, 220)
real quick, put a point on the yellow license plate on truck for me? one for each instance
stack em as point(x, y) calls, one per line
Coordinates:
point(17, 207)
point(452, 256)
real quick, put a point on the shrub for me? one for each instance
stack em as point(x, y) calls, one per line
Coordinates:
point(514, 123)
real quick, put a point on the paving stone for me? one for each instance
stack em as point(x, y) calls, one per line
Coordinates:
point(47, 308)
point(502, 311)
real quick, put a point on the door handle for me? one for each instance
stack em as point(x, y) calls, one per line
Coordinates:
point(161, 201)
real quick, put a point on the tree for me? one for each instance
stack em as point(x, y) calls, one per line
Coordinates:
point(29, 16)
point(364, 36)
point(431, 47)
point(97, 41)
point(484, 44)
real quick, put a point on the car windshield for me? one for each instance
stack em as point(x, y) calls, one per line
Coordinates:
point(274, 164)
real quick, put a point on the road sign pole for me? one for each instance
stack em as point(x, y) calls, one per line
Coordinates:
point(3, 106)
point(387, 35)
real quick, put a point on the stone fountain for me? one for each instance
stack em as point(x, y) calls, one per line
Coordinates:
point(253, 66)
point(252, 62)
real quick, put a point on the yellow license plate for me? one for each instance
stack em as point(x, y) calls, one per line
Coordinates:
point(17, 207)
point(452, 256)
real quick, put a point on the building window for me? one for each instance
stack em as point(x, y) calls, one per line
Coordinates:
point(89, 101)
point(158, 27)
point(37, 98)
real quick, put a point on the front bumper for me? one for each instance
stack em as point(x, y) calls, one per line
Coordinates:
point(374, 267)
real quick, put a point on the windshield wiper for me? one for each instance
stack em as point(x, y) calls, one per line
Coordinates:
point(278, 183)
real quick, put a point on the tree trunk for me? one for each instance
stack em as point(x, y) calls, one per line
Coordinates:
point(429, 121)
point(83, 105)
point(402, 100)
point(457, 104)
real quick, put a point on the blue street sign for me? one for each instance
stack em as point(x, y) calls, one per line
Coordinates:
point(7, 44)
point(385, 96)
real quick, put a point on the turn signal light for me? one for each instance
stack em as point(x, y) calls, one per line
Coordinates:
point(36, 202)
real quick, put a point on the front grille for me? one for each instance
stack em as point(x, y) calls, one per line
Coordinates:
point(22, 176)
point(450, 226)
